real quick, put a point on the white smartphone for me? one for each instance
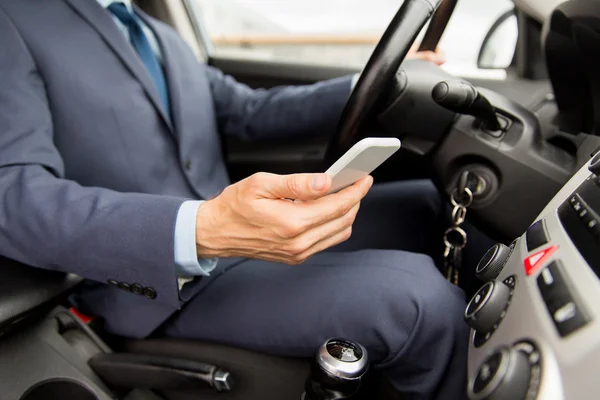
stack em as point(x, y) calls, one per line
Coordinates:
point(360, 161)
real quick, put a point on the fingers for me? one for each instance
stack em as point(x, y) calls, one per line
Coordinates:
point(413, 49)
point(295, 186)
point(299, 217)
point(295, 259)
point(435, 57)
point(299, 245)
point(319, 215)
point(326, 243)
point(335, 205)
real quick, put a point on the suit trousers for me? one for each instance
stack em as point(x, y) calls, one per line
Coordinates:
point(381, 288)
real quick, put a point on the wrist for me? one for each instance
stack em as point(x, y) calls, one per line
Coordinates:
point(205, 228)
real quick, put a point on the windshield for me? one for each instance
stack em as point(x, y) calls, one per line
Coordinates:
point(333, 32)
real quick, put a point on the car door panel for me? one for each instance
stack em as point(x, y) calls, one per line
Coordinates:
point(277, 156)
point(269, 73)
point(287, 156)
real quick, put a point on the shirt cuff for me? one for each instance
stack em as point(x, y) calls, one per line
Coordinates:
point(187, 263)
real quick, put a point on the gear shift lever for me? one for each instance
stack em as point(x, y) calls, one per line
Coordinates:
point(336, 371)
point(461, 97)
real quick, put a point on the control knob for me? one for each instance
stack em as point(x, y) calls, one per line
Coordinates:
point(594, 166)
point(486, 307)
point(492, 262)
point(505, 375)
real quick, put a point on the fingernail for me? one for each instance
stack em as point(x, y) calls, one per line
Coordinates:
point(318, 182)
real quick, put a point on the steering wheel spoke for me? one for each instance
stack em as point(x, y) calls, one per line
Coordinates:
point(379, 73)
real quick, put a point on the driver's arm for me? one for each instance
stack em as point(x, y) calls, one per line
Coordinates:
point(50, 222)
point(286, 111)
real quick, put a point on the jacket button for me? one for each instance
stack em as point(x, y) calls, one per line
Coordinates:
point(188, 164)
point(112, 282)
point(125, 286)
point(137, 288)
point(150, 293)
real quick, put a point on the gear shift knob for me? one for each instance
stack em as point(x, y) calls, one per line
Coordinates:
point(336, 371)
point(461, 97)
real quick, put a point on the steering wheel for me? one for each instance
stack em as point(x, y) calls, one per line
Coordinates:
point(377, 76)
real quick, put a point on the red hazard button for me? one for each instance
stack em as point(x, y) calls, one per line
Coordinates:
point(536, 260)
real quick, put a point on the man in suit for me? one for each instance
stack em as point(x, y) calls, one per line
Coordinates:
point(110, 136)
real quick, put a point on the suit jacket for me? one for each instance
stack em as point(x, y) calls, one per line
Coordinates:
point(92, 172)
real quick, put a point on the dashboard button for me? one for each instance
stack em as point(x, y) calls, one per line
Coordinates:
point(585, 237)
point(480, 298)
point(536, 235)
point(553, 288)
point(534, 261)
point(551, 283)
point(510, 281)
point(492, 262)
point(594, 225)
point(505, 375)
point(590, 219)
point(566, 314)
point(487, 308)
point(487, 372)
point(572, 199)
point(569, 318)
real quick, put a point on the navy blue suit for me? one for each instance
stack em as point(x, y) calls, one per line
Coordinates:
point(92, 175)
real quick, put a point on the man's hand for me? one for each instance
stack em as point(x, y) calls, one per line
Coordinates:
point(436, 57)
point(253, 219)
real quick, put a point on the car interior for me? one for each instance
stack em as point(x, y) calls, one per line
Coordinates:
point(526, 149)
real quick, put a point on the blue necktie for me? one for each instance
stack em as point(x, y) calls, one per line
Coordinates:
point(144, 49)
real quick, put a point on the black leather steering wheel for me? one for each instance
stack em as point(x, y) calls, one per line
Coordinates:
point(377, 76)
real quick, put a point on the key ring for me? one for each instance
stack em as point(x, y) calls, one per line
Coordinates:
point(469, 194)
point(462, 235)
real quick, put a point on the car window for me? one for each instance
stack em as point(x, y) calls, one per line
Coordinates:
point(333, 32)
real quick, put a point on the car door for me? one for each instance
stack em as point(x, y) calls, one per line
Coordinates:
point(266, 43)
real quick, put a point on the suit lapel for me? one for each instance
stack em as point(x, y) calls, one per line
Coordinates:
point(102, 22)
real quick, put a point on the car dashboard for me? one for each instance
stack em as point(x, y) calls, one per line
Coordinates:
point(536, 330)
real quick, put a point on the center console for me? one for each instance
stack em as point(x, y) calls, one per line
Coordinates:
point(535, 322)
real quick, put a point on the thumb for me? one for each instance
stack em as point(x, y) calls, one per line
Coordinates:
point(298, 186)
